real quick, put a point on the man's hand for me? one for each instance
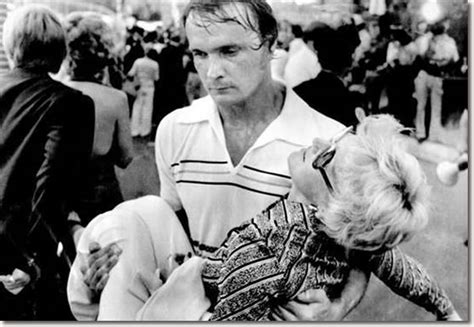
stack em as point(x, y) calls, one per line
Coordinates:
point(100, 262)
point(181, 297)
point(314, 305)
point(15, 282)
point(311, 305)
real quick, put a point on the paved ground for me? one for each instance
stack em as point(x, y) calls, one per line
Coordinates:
point(440, 247)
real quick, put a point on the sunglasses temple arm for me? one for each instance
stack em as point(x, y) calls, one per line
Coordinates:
point(326, 180)
point(339, 136)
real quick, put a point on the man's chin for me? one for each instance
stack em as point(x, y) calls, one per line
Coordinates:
point(225, 97)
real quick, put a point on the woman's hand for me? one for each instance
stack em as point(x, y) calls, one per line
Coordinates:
point(454, 316)
point(15, 282)
point(100, 262)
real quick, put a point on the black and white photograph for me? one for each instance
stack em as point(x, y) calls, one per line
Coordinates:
point(234, 160)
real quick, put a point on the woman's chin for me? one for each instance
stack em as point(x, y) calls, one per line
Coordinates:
point(297, 196)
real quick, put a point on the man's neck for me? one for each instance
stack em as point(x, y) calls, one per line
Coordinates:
point(243, 123)
point(262, 107)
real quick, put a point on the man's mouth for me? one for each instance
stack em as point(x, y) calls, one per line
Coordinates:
point(220, 88)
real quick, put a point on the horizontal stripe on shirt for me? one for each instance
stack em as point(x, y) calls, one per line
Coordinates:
point(183, 181)
point(199, 162)
point(267, 172)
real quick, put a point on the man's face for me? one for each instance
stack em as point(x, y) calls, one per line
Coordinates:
point(228, 59)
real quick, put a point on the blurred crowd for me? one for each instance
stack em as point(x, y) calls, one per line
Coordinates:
point(392, 63)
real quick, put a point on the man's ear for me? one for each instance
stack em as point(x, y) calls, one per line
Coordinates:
point(273, 47)
point(360, 114)
point(310, 45)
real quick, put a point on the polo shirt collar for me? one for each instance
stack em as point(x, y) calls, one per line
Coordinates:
point(202, 109)
point(294, 125)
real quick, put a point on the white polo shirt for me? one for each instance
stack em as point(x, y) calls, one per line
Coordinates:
point(197, 174)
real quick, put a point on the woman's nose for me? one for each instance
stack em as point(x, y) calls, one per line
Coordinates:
point(318, 144)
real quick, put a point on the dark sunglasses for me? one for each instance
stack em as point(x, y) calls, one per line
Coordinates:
point(326, 156)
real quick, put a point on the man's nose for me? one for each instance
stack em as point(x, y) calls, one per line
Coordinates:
point(215, 68)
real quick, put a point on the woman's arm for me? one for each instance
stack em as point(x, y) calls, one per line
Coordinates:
point(408, 278)
point(124, 137)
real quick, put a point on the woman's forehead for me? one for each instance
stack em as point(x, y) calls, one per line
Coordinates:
point(345, 149)
point(348, 140)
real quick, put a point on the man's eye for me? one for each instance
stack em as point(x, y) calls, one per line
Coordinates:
point(199, 54)
point(229, 51)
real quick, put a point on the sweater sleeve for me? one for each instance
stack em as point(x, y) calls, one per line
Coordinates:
point(408, 278)
point(243, 275)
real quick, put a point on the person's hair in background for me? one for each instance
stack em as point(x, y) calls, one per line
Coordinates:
point(151, 37)
point(34, 39)
point(381, 195)
point(89, 44)
point(438, 28)
point(320, 36)
point(151, 53)
point(297, 31)
point(334, 45)
point(258, 17)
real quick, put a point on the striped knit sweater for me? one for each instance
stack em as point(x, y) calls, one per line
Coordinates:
point(284, 251)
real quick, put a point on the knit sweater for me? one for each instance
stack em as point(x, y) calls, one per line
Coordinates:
point(284, 251)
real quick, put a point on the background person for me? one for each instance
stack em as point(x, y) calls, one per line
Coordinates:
point(46, 133)
point(326, 92)
point(89, 42)
point(146, 71)
point(441, 55)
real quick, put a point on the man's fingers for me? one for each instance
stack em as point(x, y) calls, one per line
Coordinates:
point(94, 272)
point(102, 282)
point(97, 259)
point(312, 296)
point(83, 270)
point(107, 251)
point(284, 314)
point(98, 273)
point(101, 275)
point(275, 315)
point(94, 247)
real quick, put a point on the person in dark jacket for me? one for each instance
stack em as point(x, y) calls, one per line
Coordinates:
point(327, 92)
point(46, 134)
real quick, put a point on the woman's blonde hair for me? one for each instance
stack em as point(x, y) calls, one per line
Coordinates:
point(34, 39)
point(381, 194)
